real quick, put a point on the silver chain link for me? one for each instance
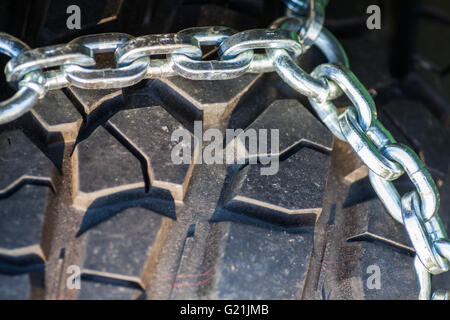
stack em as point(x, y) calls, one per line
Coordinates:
point(167, 55)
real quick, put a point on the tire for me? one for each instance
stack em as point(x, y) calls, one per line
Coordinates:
point(87, 181)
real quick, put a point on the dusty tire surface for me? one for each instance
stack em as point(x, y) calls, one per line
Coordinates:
point(87, 180)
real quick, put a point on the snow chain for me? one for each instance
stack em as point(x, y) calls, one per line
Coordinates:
point(180, 54)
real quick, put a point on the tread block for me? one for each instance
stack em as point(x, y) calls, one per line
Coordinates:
point(118, 248)
point(377, 225)
point(373, 238)
point(15, 287)
point(347, 277)
point(205, 92)
point(295, 124)
point(266, 90)
point(26, 184)
point(88, 100)
point(296, 189)
point(395, 268)
point(257, 263)
point(432, 141)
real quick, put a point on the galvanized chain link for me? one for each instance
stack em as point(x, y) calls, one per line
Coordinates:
point(36, 71)
point(386, 159)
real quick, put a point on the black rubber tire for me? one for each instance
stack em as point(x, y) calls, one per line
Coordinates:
point(86, 179)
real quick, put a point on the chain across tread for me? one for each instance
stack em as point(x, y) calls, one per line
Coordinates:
point(92, 279)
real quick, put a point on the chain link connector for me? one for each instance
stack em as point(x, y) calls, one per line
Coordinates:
point(29, 92)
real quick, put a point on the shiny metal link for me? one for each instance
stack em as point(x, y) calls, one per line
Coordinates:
point(443, 248)
point(344, 80)
point(329, 115)
point(366, 150)
point(261, 39)
point(325, 42)
point(106, 78)
point(296, 77)
point(22, 101)
point(261, 63)
point(102, 42)
point(158, 44)
point(428, 238)
point(11, 46)
point(208, 36)
point(312, 13)
point(55, 80)
point(316, 89)
point(212, 70)
point(423, 279)
point(334, 53)
point(332, 49)
point(388, 195)
point(319, 90)
point(379, 135)
point(160, 68)
point(419, 175)
point(314, 21)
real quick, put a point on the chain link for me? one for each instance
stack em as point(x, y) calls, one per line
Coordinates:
point(28, 94)
point(167, 55)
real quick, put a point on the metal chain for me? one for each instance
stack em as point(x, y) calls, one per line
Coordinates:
point(36, 71)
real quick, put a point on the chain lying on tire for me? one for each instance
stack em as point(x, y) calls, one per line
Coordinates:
point(141, 58)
